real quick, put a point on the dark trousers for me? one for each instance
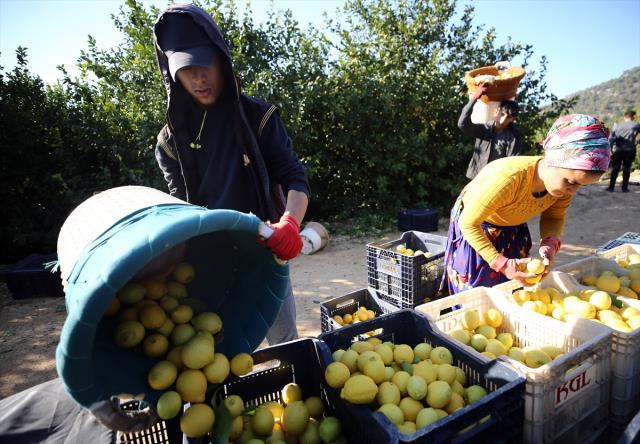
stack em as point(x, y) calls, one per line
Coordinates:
point(624, 159)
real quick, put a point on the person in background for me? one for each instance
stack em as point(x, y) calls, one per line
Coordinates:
point(222, 149)
point(623, 140)
point(494, 140)
point(489, 240)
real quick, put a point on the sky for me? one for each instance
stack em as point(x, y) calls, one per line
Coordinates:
point(586, 41)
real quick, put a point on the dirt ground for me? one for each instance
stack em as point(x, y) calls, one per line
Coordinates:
point(30, 328)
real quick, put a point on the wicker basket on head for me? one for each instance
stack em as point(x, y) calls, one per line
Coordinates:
point(497, 89)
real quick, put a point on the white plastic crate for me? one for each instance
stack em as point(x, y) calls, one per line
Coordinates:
point(625, 349)
point(566, 400)
point(621, 252)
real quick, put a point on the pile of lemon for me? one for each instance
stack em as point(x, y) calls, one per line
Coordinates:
point(361, 314)
point(292, 419)
point(592, 304)
point(483, 336)
point(152, 317)
point(412, 386)
point(628, 286)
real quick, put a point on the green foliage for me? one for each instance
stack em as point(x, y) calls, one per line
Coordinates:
point(371, 104)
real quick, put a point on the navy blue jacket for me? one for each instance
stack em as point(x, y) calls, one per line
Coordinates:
point(246, 162)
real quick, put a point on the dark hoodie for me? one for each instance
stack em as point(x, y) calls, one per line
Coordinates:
point(246, 160)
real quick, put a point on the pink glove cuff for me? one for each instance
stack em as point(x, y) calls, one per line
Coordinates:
point(499, 263)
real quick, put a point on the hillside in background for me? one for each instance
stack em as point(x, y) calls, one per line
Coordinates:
point(610, 99)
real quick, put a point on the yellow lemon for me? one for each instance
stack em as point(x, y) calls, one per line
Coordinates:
point(350, 359)
point(131, 293)
point(439, 394)
point(218, 370)
point(197, 352)
point(315, 406)
point(359, 389)
point(128, 334)
point(400, 379)
point(155, 345)
point(393, 413)
point(169, 405)
point(330, 429)
point(551, 350)
point(291, 393)
point(600, 299)
point(176, 290)
point(426, 417)
point(184, 273)
point(535, 358)
point(197, 420)
point(441, 355)
point(493, 318)
point(417, 387)
point(241, 364)
point(422, 350)
point(152, 316)
point(470, 319)
point(608, 283)
point(295, 418)
point(506, 339)
point(336, 374)
point(461, 336)
point(162, 375)
point(426, 370)
point(181, 314)
point(207, 321)
point(262, 421)
point(496, 347)
point(487, 331)
point(234, 404)
point(403, 353)
point(182, 333)
point(192, 385)
point(174, 356)
point(535, 266)
point(456, 403)
point(474, 393)
point(410, 408)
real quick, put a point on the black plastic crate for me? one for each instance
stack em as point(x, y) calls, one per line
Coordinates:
point(296, 361)
point(404, 281)
point(346, 304)
point(29, 278)
point(418, 219)
point(163, 432)
point(504, 402)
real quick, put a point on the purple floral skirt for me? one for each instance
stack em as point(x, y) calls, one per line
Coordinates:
point(465, 268)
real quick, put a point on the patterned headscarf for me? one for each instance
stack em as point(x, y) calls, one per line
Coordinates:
point(578, 142)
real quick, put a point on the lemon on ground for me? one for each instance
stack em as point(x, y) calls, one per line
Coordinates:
point(155, 345)
point(291, 393)
point(241, 364)
point(392, 412)
point(162, 375)
point(425, 417)
point(128, 334)
point(470, 319)
point(218, 370)
point(388, 393)
point(493, 318)
point(422, 350)
point(336, 374)
point(234, 404)
point(192, 385)
point(262, 421)
point(197, 420)
point(184, 273)
point(359, 389)
point(169, 405)
point(403, 353)
point(131, 293)
point(295, 418)
point(329, 429)
point(441, 355)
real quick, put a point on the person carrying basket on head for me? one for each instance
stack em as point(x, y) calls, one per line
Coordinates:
point(489, 240)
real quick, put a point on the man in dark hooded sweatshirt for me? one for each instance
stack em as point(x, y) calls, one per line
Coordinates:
point(222, 149)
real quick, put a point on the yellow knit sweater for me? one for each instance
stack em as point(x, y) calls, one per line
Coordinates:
point(501, 195)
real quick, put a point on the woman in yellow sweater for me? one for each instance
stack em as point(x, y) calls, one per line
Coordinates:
point(489, 239)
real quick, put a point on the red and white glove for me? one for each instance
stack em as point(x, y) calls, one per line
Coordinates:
point(285, 242)
point(482, 88)
point(511, 268)
point(549, 246)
